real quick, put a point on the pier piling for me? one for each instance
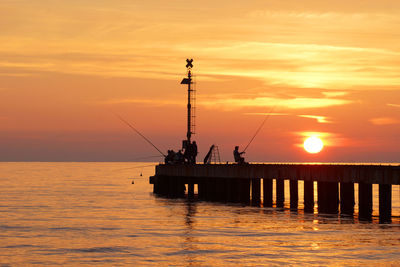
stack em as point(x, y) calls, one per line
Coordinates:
point(309, 196)
point(347, 198)
point(256, 191)
point(294, 194)
point(328, 197)
point(267, 191)
point(385, 202)
point(190, 190)
point(280, 193)
point(365, 201)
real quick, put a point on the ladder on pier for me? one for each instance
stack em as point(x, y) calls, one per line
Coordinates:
point(215, 157)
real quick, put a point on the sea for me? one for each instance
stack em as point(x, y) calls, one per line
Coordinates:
point(105, 214)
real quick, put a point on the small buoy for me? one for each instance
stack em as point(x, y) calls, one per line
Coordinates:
point(133, 182)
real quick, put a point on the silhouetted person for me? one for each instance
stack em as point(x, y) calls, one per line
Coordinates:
point(169, 159)
point(187, 153)
point(194, 152)
point(238, 155)
point(179, 157)
point(191, 153)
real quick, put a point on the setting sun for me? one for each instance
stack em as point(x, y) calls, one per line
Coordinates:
point(313, 145)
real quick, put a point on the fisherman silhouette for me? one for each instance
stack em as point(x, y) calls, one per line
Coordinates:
point(169, 159)
point(179, 157)
point(191, 152)
point(194, 152)
point(237, 155)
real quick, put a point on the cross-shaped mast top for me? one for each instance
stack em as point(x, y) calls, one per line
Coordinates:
point(189, 64)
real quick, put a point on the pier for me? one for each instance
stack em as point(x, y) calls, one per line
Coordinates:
point(252, 184)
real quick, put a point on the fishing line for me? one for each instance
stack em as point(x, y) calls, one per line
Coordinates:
point(136, 167)
point(144, 137)
point(148, 157)
point(259, 128)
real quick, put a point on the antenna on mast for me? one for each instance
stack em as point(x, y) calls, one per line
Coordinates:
point(191, 98)
point(189, 146)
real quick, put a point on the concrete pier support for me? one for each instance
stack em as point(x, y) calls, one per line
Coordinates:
point(156, 187)
point(280, 192)
point(201, 187)
point(385, 203)
point(255, 191)
point(230, 190)
point(321, 197)
point(214, 189)
point(234, 194)
point(365, 201)
point(347, 198)
point(267, 192)
point(161, 186)
point(294, 194)
point(245, 191)
point(221, 190)
point(328, 197)
point(176, 188)
point(190, 190)
point(208, 188)
point(309, 196)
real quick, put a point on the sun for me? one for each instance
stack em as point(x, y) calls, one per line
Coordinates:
point(313, 145)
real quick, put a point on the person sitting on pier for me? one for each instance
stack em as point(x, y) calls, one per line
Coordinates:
point(238, 155)
point(179, 157)
point(169, 159)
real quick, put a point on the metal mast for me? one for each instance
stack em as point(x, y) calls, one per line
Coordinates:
point(188, 81)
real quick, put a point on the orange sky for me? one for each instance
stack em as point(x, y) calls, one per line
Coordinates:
point(328, 68)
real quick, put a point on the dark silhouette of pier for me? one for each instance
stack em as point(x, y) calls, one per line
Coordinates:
point(246, 184)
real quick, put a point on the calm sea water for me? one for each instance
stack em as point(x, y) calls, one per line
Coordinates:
point(91, 214)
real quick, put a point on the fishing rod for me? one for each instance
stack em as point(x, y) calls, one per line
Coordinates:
point(259, 128)
point(144, 137)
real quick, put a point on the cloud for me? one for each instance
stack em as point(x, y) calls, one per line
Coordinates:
point(146, 101)
point(320, 119)
point(110, 43)
point(293, 103)
point(334, 94)
point(384, 121)
point(232, 102)
point(266, 114)
point(394, 105)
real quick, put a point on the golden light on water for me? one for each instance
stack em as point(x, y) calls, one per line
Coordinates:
point(313, 145)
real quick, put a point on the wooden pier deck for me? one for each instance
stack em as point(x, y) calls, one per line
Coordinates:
point(244, 184)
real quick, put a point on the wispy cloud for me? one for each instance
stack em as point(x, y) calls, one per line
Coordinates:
point(394, 105)
point(145, 101)
point(293, 103)
point(384, 121)
point(231, 102)
point(334, 94)
point(266, 114)
point(320, 119)
point(110, 43)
